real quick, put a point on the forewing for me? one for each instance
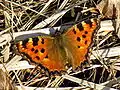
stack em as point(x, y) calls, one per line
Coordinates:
point(78, 39)
point(41, 50)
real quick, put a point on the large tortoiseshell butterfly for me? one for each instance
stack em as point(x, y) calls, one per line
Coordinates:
point(55, 51)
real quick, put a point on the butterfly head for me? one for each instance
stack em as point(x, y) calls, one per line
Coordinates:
point(56, 33)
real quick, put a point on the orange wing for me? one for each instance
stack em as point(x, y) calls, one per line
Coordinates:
point(78, 40)
point(42, 51)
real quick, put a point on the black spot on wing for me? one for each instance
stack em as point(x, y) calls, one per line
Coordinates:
point(36, 51)
point(38, 58)
point(80, 27)
point(86, 32)
point(78, 39)
point(74, 31)
point(84, 36)
point(24, 43)
point(42, 50)
point(32, 49)
point(88, 22)
point(86, 42)
point(42, 41)
point(29, 58)
point(78, 46)
point(46, 56)
point(35, 41)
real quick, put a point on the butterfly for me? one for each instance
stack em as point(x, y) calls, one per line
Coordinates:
point(62, 48)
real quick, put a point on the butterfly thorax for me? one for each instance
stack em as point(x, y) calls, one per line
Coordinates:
point(58, 38)
point(59, 49)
